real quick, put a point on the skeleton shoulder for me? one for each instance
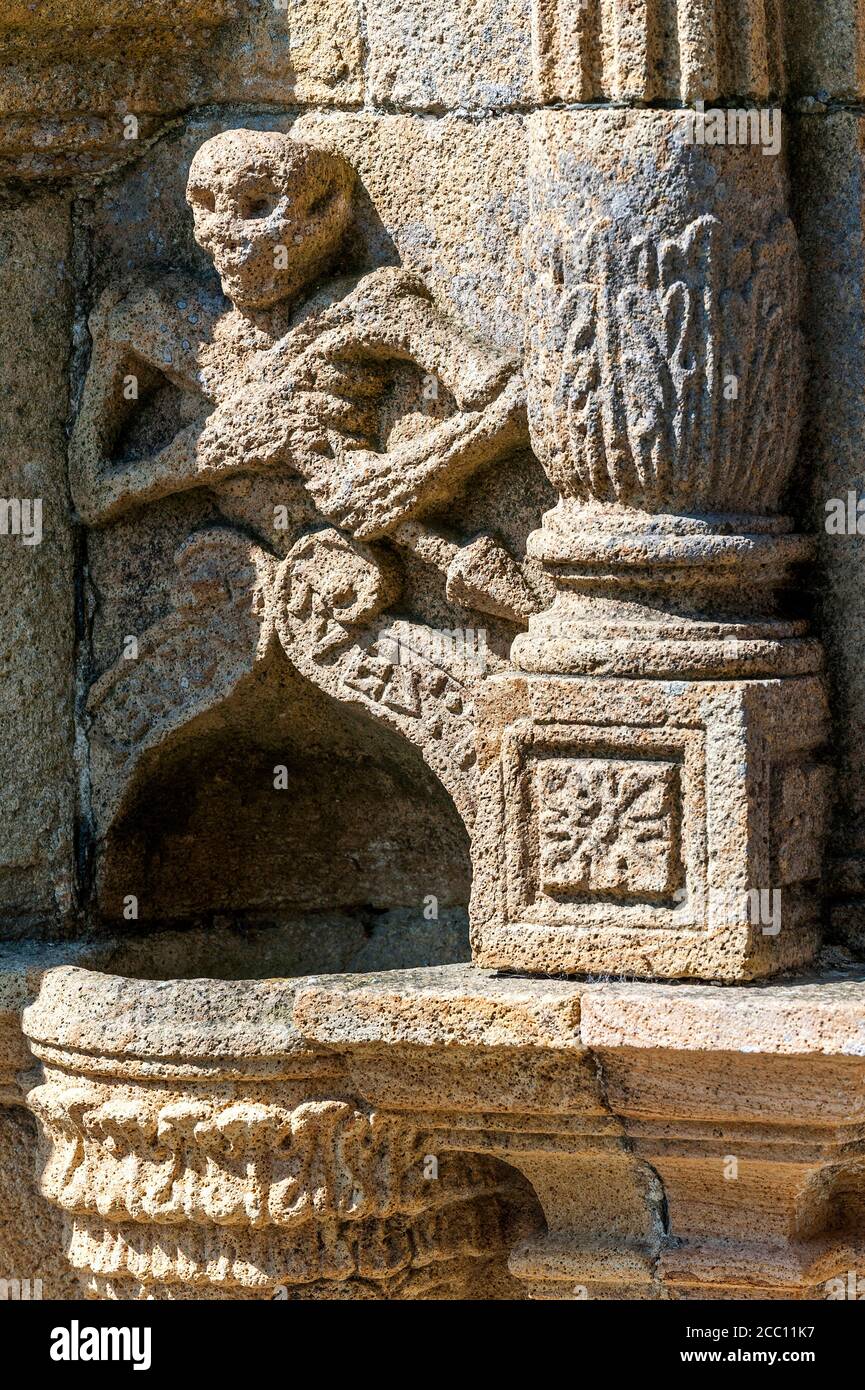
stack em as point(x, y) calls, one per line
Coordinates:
point(391, 283)
point(153, 317)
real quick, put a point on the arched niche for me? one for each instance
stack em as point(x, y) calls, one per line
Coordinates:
point(286, 827)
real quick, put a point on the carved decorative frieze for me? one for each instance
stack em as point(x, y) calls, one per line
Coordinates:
point(237, 1169)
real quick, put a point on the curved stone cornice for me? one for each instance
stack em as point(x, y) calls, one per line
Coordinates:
point(195, 1140)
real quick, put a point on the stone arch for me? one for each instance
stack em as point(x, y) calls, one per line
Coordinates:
point(233, 605)
point(337, 862)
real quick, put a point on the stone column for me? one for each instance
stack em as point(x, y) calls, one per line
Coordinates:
point(654, 792)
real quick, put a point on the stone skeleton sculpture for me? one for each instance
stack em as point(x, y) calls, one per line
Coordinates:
point(293, 374)
point(295, 383)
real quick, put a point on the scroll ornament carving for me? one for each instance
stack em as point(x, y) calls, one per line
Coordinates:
point(325, 605)
point(233, 1189)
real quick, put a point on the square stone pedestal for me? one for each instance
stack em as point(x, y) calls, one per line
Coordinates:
point(648, 827)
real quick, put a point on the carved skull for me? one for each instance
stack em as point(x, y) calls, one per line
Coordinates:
point(270, 211)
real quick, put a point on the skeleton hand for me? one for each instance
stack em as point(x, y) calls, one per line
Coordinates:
point(288, 421)
point(369, 493)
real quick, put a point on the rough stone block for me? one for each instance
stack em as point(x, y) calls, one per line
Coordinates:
point(447, 199)
point(299, 52)
point(825, 49)
point(433, 56)
point(38, 777)
point(829, 157)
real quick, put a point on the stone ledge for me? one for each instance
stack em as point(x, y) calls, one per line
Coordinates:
point(621, 1105)
point(22, 967)
point(462, 1005)
point(684, 1141)
point(93, 14)
point(452, 1005)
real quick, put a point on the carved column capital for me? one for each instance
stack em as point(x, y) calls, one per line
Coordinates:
point(199, 1146)
point(664, 376)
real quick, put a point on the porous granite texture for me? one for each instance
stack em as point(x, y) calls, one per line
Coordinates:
point(38, 776)
point(683, 1141)
point(625, 821)
point(429, 541)
point(448, 1133)
point(209, 1150)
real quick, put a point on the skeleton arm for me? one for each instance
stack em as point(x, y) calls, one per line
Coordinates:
point(311, 405)
point(390, 317)
point(135, 345)
point(369, 493)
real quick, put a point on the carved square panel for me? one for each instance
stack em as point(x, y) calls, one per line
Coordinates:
point(616, 815)
point(608, 825)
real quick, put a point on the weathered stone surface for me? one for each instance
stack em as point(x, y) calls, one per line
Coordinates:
point(600, 846)
point(152, 61)
point(37, 626)
point(299, 53)
point(659, 50)
point(529, 52)
point(825, 49)
point(829, 158)
point(220, 369)
point(426, 521)
point(428, 56)
point(133, 65)
point(704, 239)
point(22, 965)
point(625, 824)
point(213, 1073)
point(136, 66)
point(32, 1263)
point(447, 200)
point(670, 1086)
